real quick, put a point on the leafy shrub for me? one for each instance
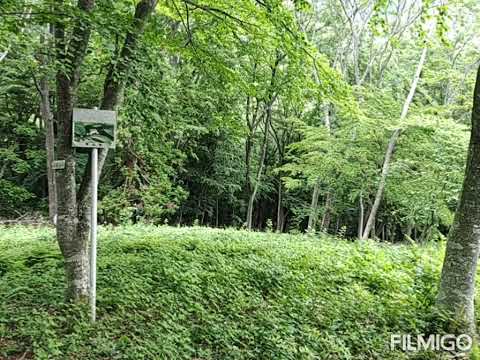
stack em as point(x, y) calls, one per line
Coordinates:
point(199, 293)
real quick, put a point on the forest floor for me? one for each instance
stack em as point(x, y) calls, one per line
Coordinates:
point(199, 293)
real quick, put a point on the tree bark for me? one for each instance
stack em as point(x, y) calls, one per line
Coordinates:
point(457, 284)
point(327, 213)
point(312, 219)
point(381, 186)
point(361, 216)
point(253, 195)
point(49, 145)
point(47, 116)
point(280, 216)
point(391, 147)
point(413, 87)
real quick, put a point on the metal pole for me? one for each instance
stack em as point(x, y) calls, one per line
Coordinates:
point(93, 236)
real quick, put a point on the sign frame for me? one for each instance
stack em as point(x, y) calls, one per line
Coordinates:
point(93, 128)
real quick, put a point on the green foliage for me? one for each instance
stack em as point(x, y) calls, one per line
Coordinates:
point(12, 195)
point(187, 293)
point(427, 176)
point(211, 79)
point(21, 159)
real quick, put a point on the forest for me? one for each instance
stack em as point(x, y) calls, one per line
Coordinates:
point(269, 117)
point(321, 121)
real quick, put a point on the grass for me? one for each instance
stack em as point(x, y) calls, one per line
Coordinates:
point(198, 293)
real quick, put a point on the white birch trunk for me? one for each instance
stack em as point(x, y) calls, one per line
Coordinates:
point(391, 147)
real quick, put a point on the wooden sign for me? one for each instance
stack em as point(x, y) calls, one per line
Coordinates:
point(94, 128)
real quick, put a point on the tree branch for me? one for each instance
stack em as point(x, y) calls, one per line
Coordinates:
point(77, 46)
point(215, 11)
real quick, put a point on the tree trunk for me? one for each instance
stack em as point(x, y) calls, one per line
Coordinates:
point(391, 146)
point(73, 250)
point(49, 145)
point(280, 216)
point(457, 285)
point(327, 213)
point(413, 87)
point(268, 119)
point(381, 186)
point(251, 199)
point(361, 216)
point(248, 155)
point(252, 125)
point(312, 219)
point(47, 117)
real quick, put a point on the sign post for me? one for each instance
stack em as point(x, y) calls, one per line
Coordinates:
point(93, 237)
point(94, 129)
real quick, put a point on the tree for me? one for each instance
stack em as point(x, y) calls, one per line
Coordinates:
point(391, 147)
point(73, 206)
point(312, 218)
point(457, 283)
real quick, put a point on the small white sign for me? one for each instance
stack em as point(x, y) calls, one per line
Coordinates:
point(94, 128)
point(58, 164)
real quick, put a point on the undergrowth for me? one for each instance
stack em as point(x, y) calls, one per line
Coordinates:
point(198, 293)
